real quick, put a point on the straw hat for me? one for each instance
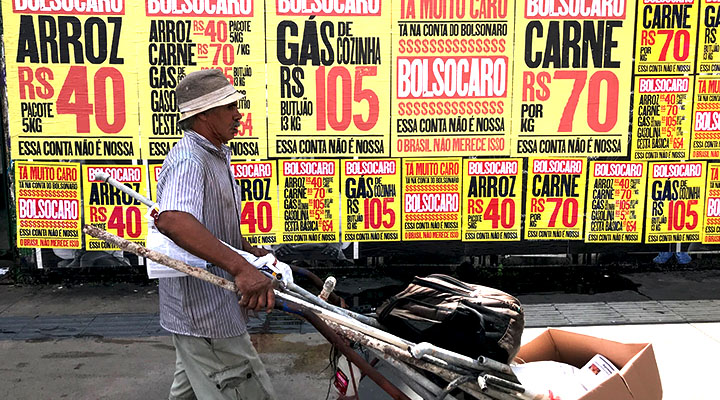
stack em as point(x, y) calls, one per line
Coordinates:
point(202, 90)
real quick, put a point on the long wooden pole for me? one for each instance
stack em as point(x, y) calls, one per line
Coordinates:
point(160, 258)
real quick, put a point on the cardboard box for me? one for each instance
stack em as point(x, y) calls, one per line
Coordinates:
point(638, 378)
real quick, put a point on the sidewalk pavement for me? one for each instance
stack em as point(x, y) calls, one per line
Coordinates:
point(92, 342)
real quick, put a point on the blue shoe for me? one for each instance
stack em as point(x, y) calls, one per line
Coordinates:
point(663, 257)
point(683, 258)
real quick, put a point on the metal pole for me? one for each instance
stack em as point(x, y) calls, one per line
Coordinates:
point(337, 341)
point(404, 369)
point(446, 372)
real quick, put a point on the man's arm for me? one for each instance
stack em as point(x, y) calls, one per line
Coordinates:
point(187, 232)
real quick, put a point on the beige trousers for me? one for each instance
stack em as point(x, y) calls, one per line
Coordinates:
point(227, 369)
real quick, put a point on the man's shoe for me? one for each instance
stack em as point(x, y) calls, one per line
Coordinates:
point(663, 257)
point(683, 258)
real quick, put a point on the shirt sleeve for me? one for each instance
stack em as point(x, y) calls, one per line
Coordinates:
point(181, 187)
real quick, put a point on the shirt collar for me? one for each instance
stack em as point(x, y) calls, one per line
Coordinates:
point(223, 151)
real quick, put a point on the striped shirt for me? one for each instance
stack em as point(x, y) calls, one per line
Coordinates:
point(195, 178)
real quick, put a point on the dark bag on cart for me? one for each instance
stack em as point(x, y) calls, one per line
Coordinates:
point(469, 319)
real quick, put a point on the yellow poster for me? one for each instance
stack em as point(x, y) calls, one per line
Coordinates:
point(371, 200)
point(328, 77)
point(706, 118)
point(711, 222)
point(260, 214)
point(431, 198)
point(452, 69)
point(573, 68)
point(708, 59)
point(616, 201)
point(311, 201)
point(71, 80)
point(112, 210)
point(675, 203)
point(182, 37)
point(492, 199)
point(662, 118)
point(556, 198)
point(665, 40)
point(47, 202)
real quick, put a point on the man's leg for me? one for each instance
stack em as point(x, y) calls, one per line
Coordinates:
point(224, 368)
point(181, 388)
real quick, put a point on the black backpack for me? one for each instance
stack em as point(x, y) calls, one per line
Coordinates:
point(469, 319)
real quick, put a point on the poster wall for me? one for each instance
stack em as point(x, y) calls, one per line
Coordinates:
point(181, 37)
point(328, 76)
point(615, 202)
point(571, 91)
point(371, 200)
point(556, 198)
point(72, 80)
point(708, 53)
point(311, 195)
point(711, 220)
point(368, 121)
point(662, 118)
point(108, 208)
point(48, 205)
point(492, 199)
point(260, 214)
point(431, 198)
point(452, 68)
point(675, 203)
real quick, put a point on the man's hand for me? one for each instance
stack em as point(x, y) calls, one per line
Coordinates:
point(256, 289)
point(258, 251)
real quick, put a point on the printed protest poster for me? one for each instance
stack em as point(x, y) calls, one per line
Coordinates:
point(260, 214)
point(615, 201)
point(706, 118)
point(431, 198)
point(48, 205)
point(371, 200)
point(492, 199)
point(181, 37)
point(71, 80)
point(662, 118)
point(676, 202)
point(665, 40)
point(708, 57)
point(451, 90)
point(555, 199)
point(154, 170)
point(573, 71)
point(110, 209)
point(311, 201)
point(711, 222)
point(328, 77)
